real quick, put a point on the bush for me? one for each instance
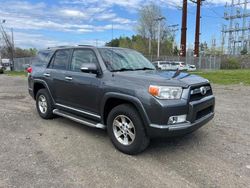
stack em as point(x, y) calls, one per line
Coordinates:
point(230, 63)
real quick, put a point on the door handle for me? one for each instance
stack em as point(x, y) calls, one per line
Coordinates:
point(68, 78)
point(47, 74)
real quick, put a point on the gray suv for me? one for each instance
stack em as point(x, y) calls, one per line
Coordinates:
point(119, 90)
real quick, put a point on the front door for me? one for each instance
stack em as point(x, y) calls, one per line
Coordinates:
point(83, 87)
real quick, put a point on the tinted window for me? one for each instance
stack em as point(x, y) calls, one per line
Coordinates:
point(42, 58)
point(124, 59)
point(82, 56)
point(61, 60)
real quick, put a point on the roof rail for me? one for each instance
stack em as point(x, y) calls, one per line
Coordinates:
point(85, 45)
point(58, 47)
point(69, 46)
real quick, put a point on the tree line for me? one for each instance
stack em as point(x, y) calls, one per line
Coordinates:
point(18, 53)
point(145, 41)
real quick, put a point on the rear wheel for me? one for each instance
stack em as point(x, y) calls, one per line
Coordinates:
point(44, 104)
point(126, 130)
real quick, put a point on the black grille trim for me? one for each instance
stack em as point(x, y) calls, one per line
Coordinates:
point(195, 93)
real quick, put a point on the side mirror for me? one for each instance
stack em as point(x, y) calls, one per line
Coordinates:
point(89, 68)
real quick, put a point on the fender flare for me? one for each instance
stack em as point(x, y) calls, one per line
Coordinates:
point(135, 101)
point(45, 85)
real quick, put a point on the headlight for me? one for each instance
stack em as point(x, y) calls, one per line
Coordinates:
point(165, 92)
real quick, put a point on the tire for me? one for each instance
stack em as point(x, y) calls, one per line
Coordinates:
point(120, 117)
point(45, 110)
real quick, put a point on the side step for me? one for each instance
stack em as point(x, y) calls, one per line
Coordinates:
point(78, 119)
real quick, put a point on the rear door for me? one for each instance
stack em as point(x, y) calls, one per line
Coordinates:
point(56, 76)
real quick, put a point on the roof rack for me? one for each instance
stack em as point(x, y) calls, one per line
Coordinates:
point(69, 46)
point(85, 45)
point(58, 47)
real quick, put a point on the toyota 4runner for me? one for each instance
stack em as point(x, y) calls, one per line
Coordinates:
point(119, 90)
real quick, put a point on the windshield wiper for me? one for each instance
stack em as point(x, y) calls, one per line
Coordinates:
point(122, 70)
point(145, 68)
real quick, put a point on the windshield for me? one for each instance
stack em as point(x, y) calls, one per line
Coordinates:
point(124, 60)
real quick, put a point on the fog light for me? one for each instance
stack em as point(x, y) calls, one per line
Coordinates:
point(177, 119)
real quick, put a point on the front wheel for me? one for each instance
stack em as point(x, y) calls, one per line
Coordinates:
point(126, 130)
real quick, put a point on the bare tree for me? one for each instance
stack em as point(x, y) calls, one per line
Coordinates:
point(147, 24)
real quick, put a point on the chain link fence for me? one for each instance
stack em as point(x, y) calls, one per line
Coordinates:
point(201, 63)
point(21, 63)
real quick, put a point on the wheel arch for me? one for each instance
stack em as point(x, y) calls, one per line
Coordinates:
point(40, 84)
point(112, 100)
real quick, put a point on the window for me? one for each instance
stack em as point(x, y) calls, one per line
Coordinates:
point(82, 56)
point(60, 60)
point(124, 59)
point(42, 58)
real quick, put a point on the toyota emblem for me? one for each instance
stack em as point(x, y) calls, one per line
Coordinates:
point(203, 90)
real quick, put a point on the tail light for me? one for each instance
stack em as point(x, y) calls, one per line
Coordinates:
point(29, 69)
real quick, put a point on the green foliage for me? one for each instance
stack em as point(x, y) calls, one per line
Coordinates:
point(25, 52)
point(227, 77)
point(141, 44)
point(244, 51)
point(113, 43)
point(176, 51)
point(18, 52)
point(230, 63)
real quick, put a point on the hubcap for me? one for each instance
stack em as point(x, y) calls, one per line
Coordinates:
point(124, 130)
point(42, 104)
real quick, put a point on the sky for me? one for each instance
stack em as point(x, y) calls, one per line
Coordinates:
point(40, 24)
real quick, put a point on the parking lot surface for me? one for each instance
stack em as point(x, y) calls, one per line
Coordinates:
point(61, 153)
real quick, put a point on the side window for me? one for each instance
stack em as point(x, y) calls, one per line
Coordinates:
point(82, 56)
point(60, 60)
point(42, 58)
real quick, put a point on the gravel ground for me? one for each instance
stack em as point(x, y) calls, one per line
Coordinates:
point(61, 153)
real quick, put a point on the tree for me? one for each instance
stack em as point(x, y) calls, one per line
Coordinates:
point(18, 52)
point(244, 51)
point(148, 26)
point(113, 43)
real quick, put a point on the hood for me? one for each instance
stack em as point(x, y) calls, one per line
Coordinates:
point(171, 78)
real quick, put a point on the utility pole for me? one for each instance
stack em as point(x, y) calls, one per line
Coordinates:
point(184, 29)
point(13, 50)
point(159, 19)
point(96, 42)
point(197, 28)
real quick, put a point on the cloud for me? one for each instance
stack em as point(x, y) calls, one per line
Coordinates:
point(74, 17)
point(33, 40)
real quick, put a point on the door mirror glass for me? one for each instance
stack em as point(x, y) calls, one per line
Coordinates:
point(89, 68)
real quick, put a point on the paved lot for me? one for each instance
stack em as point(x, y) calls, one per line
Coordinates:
point(61, 153)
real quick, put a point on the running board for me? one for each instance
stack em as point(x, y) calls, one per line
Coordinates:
point(78, 119)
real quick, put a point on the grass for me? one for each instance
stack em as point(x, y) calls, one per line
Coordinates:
point(15, 73)
point(227, 77)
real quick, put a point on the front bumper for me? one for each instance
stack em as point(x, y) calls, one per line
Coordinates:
point(199, 113)
point(178, 129)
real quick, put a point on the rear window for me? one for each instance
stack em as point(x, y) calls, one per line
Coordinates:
point(42, 58)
